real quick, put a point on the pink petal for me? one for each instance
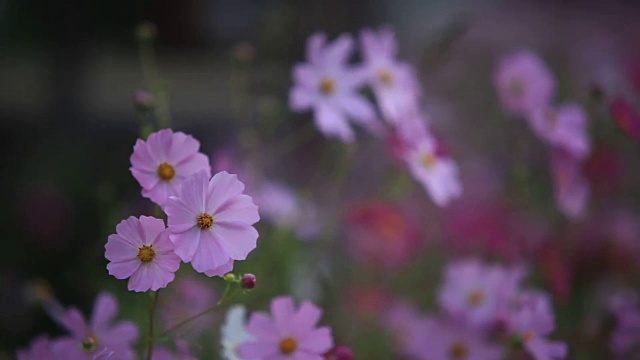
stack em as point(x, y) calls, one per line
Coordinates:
point(142, 159)
point(186, 243)
point(168, 262)
point(105, 308)
point(239, 208)
point(147, 179)
point(282, 311)
point(180, 217)
point(150, 227)
point(210, 254)
point(332, 122)
point(315, 43)
point(307, 317)
point(159, 144)
point(258, 350)
point(123, 332)
point(123, 269)
point(193, 164)
point(317, 341)
point(181, 146)
point(221, 270)
point(237, 239)
point(222, 187)
point(141, 280)
point(339, 50)
point(159, 193)
point(262, 327)
point(357, 107)
point(74, 321)
point(128, 231)
point(301, 98)
point(119, 249)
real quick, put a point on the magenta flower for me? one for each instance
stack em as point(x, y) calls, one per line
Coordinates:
point(524, 83)
point(571, 189)
point(437, 173)
point(39, 349)
point(328, 85)
point(164, 161)
point(394, 83)
point(564, 127)
point(287, 333)
point(441, 339)
point(477, 293)
point(210, 222)
point(532, 324)
point(141, 251)
point(90, 339)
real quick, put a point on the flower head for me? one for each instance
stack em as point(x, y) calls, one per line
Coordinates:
point(524, 83)
point(90, 339)
point(234, 332)
point(141, 250)
point(288, 333)
point(164, 161)
point(328, 85)
point(564, 127)
point(571, 188)
point(210, 222)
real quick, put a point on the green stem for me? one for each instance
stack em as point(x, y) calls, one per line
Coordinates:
point(152, 310)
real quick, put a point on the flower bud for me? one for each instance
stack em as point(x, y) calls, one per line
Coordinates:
point(248, 281)
point(143, 100)
point(340, 353)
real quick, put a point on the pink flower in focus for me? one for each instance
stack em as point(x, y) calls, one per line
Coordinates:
point(328, 86)
point(394, 83)
point(164, 161)
point(478, 293)
point(571, 188)
point(39, 349)
point(532, 324)
point(442, 339)
point(524, 82)
point(287, 333)
point(141, 250)
point(210, 222)
point(90, 339)
point(188, 295)
point(564, 127)
point(437, 174)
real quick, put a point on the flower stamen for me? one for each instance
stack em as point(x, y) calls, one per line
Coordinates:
point(90, 342)
point(428, 160)
point(385, 76)
point(146, 253)
point(166, 171)
point(327, 85)
point(205, 221)
point(288, 345)
point(458, 350)
point(475, 297)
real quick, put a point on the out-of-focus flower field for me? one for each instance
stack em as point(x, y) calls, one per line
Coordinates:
point(321, 180)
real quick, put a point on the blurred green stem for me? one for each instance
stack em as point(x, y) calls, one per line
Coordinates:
point(152, 310)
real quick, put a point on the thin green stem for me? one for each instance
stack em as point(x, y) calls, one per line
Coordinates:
point(152, 310)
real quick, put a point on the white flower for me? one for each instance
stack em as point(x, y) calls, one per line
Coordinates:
point(234, 332)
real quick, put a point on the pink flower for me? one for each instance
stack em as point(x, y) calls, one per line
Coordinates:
point(564, 127)
point(437, 173)
point(442, 339)
point(164, 161)
point(524, 83)
point(394, 83)
point(532, 324)
point(478, 293)
point(90, 339)
point(407, 326)
point(141, 250)
point(287, 333)
point(39, 349)
point(571, 188)
point(210, 222)
point(188, 295)
point(625, 306)
point(328, 86)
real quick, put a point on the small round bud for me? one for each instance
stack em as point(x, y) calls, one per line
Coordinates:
point(143, 100)
point(340, 353)
point(248, 281)
point(229, 277)
point(146, 31)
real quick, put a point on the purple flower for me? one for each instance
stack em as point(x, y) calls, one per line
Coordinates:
point(210, 222)
point(477, 293)
point(328, 86)
point(39, 349)
point(164, 161)
point(524, 83)
point(442, 339)
point(625, 306)
point(407, 326)
point(564, 127)
point(90, 339)
point(287, 333)
point(571, 189)
point(394, 83)
point(531, 324)
point(437, 173)
point(141, 250)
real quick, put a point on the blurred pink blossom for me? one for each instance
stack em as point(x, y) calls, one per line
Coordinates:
point(563, 127)
point(571, 189)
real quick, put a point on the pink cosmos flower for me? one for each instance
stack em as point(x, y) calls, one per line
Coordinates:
point(164, 161)
point(571, 188)
point(210, 222)
point(90, 339)
point(287, 334)
point(564, 127)
point(328, 86)
point(394, 83)
point(437, 173)
point(39, 349)
point(188, 295)
point(478, 293)
point(625, 306)
point(141, 250)
point(524, 83)
point(442, 339)
point(532, 324)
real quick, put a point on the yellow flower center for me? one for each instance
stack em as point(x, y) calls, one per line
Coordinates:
point(166, 171)
point(528, 335)
point(386, 76)
point(517, 87)
point(205, 221)
point(428, 160)
point(146, 253)
point(288, 345)
point(475, 297)
point(458, 350)
point(90, 342)
point(327, 85)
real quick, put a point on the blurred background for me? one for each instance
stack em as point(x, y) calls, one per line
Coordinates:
point(68, 122)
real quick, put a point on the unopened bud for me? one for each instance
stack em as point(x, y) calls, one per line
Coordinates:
point(340, 353)
point(143, 100)
point(230, 277)
point(248, 281)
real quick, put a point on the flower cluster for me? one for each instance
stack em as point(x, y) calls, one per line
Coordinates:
point(486, 314)
point(328, 85)
point(526, 88)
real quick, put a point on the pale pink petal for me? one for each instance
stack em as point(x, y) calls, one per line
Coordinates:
point(210, 253)
point(119, 249)
point(181, 146)
point(123, 269)
point(315, 43)
point(261, 326)
point(220, 270)
point(332, 122)
point(150, 227)
point(236, 238)
point(258, 350)
point(358, 108)
point(128, 231)
point(307, 317)
point(105, 309)
point(339, 50)
point(141, 280)
point(301, 98)
point(222, 187)
point(142, 159)
point(239, 208)
point(318, 340)
point(186, 243)
point(282, 310)
point(74, 321)
point(147, 179)
point(192, 164)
